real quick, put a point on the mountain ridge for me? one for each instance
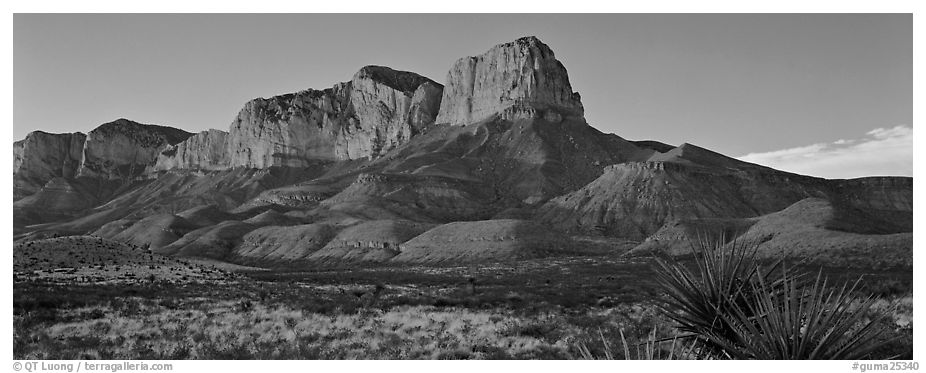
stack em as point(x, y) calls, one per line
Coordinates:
point(391, 160)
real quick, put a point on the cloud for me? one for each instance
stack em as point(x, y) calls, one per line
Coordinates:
point(881, 152)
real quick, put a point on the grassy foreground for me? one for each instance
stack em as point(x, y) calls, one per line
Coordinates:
point(582, 308)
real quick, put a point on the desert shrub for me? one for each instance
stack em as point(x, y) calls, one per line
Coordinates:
point(244, 306)
point(699, 296)
point(541, 328)
point(733, 307)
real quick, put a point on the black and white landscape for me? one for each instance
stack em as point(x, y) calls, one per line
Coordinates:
point(477, 216)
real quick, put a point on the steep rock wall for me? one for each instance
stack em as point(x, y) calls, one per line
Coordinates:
point(207, 150)
point(379, 109)
point(43, 156)
point(123, 149)
point(519, 80)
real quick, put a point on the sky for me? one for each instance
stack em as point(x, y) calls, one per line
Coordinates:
point(821, 94)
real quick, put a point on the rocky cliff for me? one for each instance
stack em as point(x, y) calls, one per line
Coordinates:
point(379, 109)
point(42, 156)
point(123, 149)
point(207, 150)
point(501, 157)
point(520, 79)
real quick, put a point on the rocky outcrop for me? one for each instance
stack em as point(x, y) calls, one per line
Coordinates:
point(482, 241)
point(636, 199)
point(123, 149)
point(371, 241)
point(518, 80)
point(281, 244)
point(42, 156)
point(378, 110)
point(207, 150)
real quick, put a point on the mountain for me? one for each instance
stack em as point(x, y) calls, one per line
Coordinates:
point(207, 150)
point(521, 79)
point(123, 149)
point(688, 191)
point(390, 167)
point(636, 199)
point(377, 110)
point(43, 156)
point(828, 232)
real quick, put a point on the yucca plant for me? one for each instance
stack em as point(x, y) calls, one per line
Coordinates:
point(800, 322)
point(736, 308)
point(720, 281)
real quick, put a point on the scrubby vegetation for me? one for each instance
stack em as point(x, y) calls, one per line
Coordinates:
point(559, 308)
point(731, 306)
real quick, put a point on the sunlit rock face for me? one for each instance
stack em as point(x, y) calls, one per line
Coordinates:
point(124, 149)
point(207, 150)
point(378, 110)
point(517, 80)
point(42, 156)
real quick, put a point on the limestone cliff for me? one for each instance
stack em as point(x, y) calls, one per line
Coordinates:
point(518, 80)
point(379, 109)
point(42, 156)
point(123, 149)
point(207, 150)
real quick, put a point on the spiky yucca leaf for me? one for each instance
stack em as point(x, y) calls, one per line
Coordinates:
point(735, 308)
point(649, 349)
point(800, 322)
point(721, 279)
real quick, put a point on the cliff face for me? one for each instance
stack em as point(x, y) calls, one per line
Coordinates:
point(42, 156)
point(287, 130)
point(123, 149)
point(207, 150)
point(519, 80)
point(376, 111)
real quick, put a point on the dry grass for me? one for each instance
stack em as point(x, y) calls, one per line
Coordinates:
point(557, 308)
point(139, 329)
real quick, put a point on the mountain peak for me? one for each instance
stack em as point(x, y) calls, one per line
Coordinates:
point(142, 132)
point(404, 81)
point(517, 80)
point(529, 42)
